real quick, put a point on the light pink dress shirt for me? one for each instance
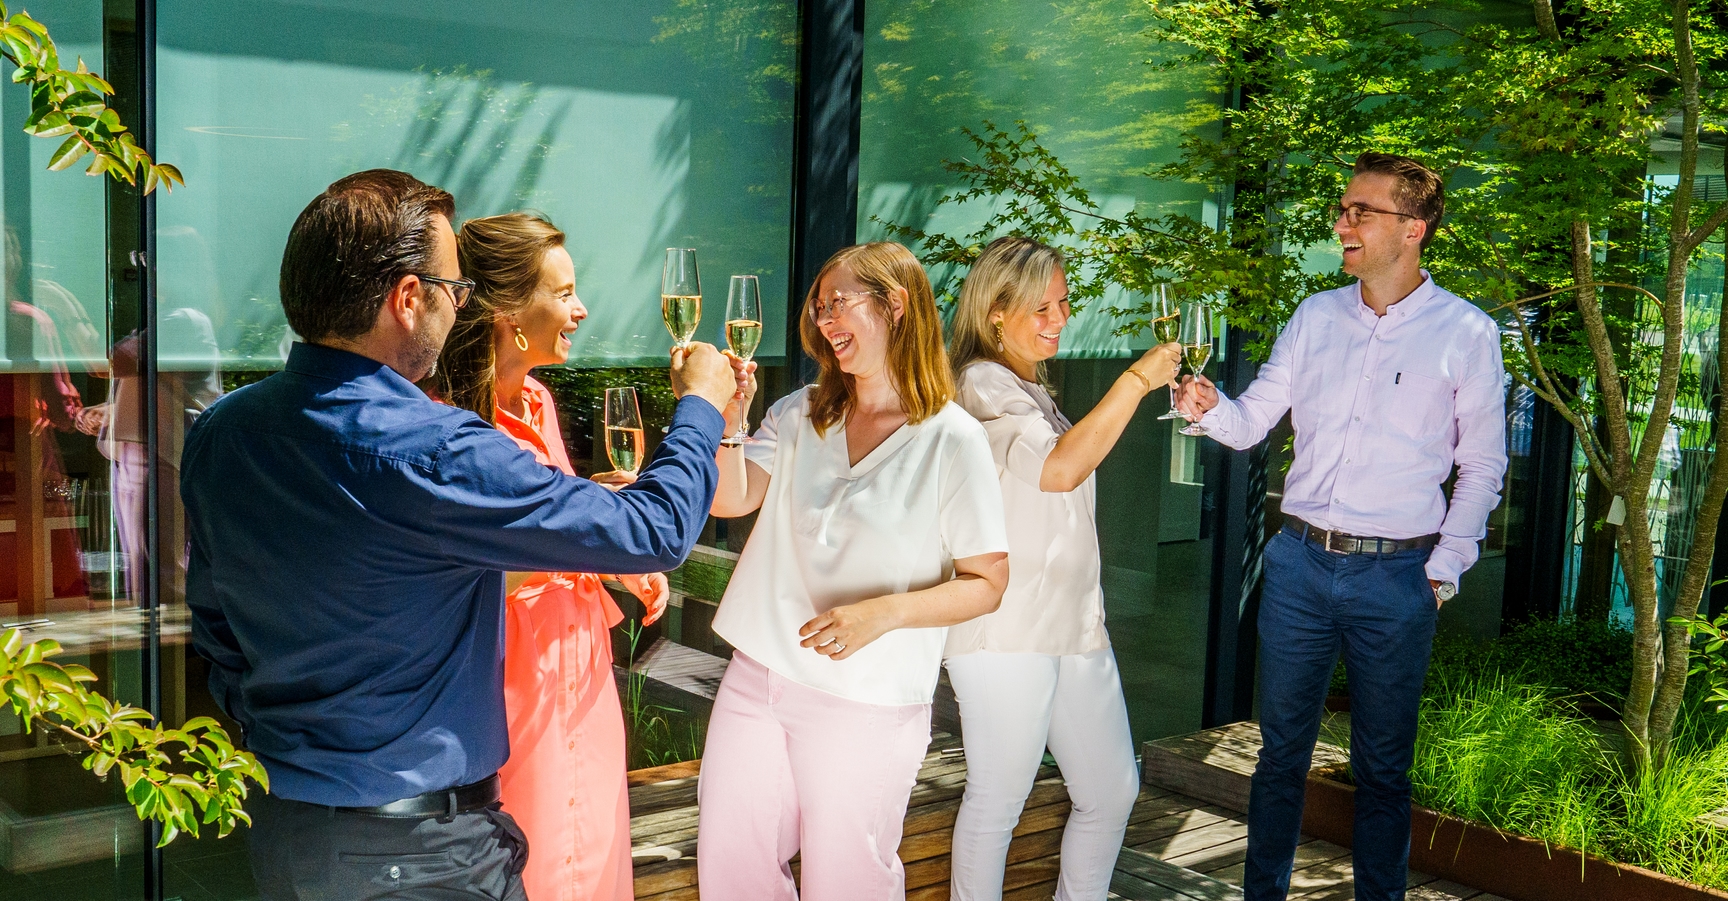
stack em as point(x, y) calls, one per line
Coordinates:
point(1383, 408)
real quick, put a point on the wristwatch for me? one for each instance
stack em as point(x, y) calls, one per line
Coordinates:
point(1445, 591)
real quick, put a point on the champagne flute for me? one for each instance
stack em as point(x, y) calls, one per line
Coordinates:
point(1196, 348)
point(623, 430)
point(680, 295)
point(743, 333)
point(1166, 329)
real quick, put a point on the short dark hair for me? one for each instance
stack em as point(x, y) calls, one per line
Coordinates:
point(352, 244)
point(1420, 192)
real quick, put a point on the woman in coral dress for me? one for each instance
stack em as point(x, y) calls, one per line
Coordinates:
point(564, 782)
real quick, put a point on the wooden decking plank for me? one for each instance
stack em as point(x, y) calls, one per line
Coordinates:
point(1212, 859)
point(1196, 840)
point(1148, 868)
point(1442, 890)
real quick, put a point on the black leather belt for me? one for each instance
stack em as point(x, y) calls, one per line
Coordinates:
point(1342, 543)
point(444, 803)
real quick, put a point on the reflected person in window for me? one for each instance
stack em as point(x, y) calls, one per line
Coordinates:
point(564, 782)
point(880, 526)
point(1391, 382)
point(1040, 672)
point(349, 538)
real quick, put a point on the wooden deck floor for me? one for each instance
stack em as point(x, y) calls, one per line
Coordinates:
point(1178, 846)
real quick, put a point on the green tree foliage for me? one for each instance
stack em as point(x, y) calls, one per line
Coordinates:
point(70, 102)
point(181, 778)
point(1547, 123)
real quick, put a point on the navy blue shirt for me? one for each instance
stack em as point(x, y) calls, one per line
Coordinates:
point(348, 542)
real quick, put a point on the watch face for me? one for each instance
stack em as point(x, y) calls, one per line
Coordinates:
point(1446, 591)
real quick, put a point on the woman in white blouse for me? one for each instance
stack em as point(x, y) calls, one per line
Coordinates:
point(1039, 671)
point(881, 525)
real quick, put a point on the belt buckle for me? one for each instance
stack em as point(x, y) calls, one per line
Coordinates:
point(1326, 536)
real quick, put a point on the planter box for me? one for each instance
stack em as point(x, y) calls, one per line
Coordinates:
point(1512, 866)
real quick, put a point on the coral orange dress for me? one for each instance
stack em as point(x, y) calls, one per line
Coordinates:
point(564, 782)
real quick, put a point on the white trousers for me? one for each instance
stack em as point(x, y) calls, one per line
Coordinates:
point(1011, 707)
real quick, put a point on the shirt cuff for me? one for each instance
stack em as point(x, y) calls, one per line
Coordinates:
point(1446, 564)
point(699, 414)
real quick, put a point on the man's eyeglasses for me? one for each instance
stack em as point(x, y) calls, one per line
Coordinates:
point(836, 303)
point(460, 288)
point(1352, 214)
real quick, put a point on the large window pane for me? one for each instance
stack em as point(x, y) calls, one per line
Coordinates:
point(64, 498)
point(1077, 76)
point(635, 127)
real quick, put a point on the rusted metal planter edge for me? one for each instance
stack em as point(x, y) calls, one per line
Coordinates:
point(1500, 863)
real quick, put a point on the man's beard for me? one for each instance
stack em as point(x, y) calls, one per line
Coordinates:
point(425, 358)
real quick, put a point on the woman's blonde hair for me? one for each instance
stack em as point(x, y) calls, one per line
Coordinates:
point(505, 256)
point(1009, 277)
point(916, 361)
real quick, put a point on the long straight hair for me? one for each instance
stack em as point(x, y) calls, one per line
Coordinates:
point(917, 364)
point(505, 256)
point(1009, 277)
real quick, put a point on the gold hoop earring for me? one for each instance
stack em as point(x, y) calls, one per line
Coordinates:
point(999, 345)
point(521, 340)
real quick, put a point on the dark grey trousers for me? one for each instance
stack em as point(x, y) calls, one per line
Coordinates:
point(307, 852)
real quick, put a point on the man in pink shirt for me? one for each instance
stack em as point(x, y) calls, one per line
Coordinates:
point(1390, 382)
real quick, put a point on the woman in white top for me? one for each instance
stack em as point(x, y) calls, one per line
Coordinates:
point(881, 525)
point(1039, 671)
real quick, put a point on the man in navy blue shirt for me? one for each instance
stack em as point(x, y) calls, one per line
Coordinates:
point(349, 538)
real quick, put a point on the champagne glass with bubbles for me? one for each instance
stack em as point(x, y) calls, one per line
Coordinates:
point(743, 333)
point(1196, 347)
point(680, 295)
point(1166, 329)
point(623, 430)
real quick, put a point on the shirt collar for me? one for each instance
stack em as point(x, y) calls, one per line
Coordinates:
point(1403, 309)
point(323, 362)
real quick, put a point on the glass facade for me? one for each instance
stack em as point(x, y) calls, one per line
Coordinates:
point(634, 127)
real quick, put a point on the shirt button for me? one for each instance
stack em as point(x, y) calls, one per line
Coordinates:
point(1369, 377)
point(1346, 459)
point(572, 686)
point(572, 628)
point(566, 860)
point(1356, 418)
point(572, 802)
point(395, 872)
point(572, 746)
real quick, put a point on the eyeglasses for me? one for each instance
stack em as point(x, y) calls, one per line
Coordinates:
point(1352, 214)
point(460, 288)
point(839, 302)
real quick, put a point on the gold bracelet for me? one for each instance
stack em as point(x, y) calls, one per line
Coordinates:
point(1142, 377)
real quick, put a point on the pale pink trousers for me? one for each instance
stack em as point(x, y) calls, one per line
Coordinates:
point(789, 769)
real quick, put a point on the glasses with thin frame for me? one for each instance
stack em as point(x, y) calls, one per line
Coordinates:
point(1352, 214)
point(835, 303)
point(460, 288)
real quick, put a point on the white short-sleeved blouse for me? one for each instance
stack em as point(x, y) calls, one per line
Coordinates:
point(832, 534)
point(1055, 602)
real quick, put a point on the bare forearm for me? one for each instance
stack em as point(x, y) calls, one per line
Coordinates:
point(1079, 451)
point(955, 601)
point(732, 498)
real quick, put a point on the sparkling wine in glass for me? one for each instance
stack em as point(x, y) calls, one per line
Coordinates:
point(1166, 328)
point(1196, 347)
point(743, 333)
point(623, 430)
point(680, 295)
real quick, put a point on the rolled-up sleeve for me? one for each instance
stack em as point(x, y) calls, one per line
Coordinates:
point(1243, 422)
point(1480, 411)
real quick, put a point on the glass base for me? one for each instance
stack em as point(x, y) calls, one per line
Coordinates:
point(1193, 431)
point(1173, 414)
point(734, 441)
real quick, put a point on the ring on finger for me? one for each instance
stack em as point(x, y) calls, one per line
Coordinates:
point(839, 648)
